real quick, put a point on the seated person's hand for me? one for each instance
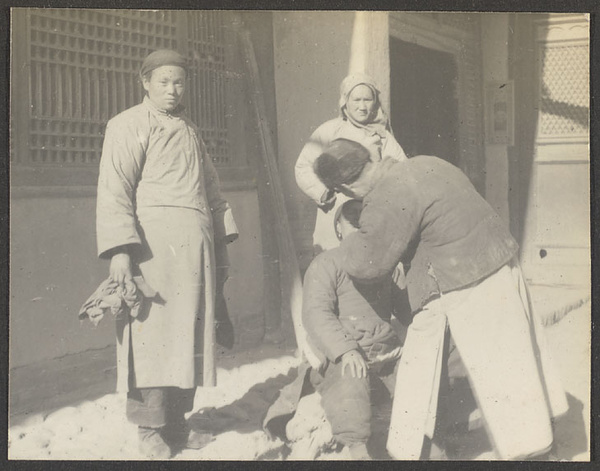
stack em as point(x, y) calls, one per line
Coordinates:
point(355, 363)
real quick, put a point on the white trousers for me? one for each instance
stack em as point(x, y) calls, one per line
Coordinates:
point(510, 368)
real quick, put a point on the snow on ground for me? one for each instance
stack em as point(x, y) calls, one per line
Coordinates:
point(98, 430)
point(95, 430)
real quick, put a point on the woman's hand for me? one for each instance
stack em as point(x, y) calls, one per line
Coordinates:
point(120, 269)
point(356, 363)
point(327, 200)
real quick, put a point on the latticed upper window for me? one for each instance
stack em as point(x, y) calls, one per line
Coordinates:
point(83, 70)
point(565, 91)
point(206, 87)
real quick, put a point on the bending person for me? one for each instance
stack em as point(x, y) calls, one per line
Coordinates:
point(464, 277)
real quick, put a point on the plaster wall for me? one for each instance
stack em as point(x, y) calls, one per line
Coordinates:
point(54, 269)
point(312, 56)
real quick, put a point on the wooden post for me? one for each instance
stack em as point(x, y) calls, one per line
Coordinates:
point(288, 262)
point(262, 31)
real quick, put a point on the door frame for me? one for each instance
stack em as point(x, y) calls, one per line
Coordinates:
point(458, 35)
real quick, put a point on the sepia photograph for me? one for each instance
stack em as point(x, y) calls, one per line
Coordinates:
point(299, 235)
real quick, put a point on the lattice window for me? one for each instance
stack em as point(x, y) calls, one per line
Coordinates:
point(84, 70)
point(206, 46)
point(564, 107)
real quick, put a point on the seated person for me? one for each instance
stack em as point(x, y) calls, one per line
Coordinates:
point(349, 326)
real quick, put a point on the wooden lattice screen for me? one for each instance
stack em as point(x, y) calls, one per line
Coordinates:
point(564, 101)
point(206, 42)
point(83, 69)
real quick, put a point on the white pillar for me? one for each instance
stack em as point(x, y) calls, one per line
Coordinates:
point(370, 50)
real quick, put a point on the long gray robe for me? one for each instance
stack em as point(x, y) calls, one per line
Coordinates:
point(158, 191)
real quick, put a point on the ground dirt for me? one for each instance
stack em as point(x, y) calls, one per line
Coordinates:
point(232, 411)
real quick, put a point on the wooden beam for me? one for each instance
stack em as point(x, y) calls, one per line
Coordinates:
point(289, 269)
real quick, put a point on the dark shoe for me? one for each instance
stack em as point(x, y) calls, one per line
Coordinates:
point(433, 450)
point(181, 436)
point(152, 445)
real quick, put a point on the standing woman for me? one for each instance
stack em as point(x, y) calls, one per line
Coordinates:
point(159, 214)
point(363, 120)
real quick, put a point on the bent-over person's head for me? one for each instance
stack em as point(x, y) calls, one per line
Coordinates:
point(163, 74)
point(341, 165)
point(347, 217)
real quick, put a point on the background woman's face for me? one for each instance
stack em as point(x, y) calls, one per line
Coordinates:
point(166, 86)
point(361, 104)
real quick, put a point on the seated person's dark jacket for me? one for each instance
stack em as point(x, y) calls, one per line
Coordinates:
point(341, 315)
point(426, 213)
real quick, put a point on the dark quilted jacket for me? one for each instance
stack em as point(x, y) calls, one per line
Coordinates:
point(426, 213)
point(340, 315)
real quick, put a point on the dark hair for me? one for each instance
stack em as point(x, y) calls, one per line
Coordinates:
point(350, 211)
point(341, 163)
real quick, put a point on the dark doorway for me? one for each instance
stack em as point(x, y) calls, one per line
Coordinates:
point(424, 105)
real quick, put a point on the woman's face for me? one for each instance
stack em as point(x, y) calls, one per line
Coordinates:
point(165, 86)
point(361, 104)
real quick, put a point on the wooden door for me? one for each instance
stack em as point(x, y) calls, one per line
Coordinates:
point(423, 100)
point(435, 71)
point(556, 226)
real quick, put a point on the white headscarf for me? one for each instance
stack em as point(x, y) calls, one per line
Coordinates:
point(379, 122)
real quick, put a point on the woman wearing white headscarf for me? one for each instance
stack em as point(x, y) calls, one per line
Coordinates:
point(363, 120)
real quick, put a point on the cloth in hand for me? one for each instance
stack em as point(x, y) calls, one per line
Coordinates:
point(110, 297)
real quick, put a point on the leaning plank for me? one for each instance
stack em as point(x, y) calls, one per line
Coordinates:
point(288, 262)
